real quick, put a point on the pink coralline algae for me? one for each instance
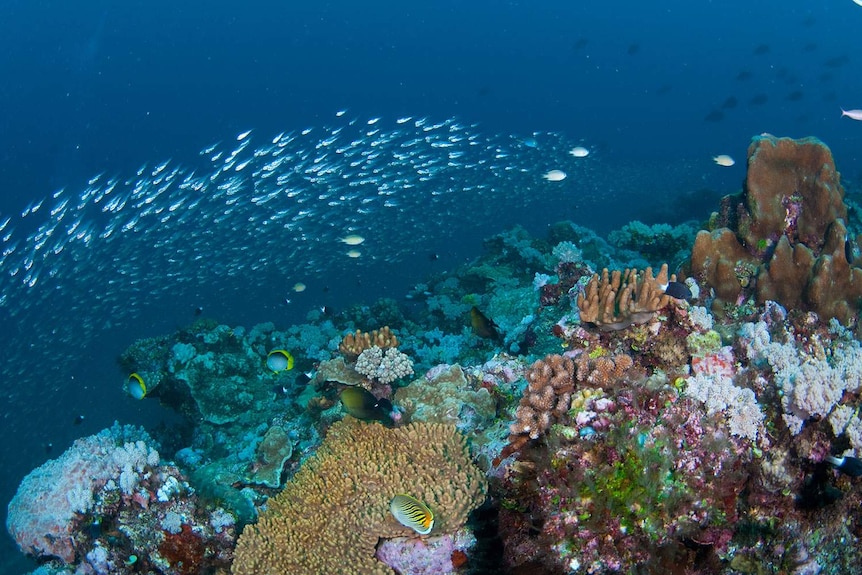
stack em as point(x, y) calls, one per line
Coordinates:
point(110, 505)
point(426, 556)
point(45, 512)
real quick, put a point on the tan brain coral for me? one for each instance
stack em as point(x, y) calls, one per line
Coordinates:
point(331, 514)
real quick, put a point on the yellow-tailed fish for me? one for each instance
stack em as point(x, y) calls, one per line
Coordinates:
point(361, 404)
point(279, 360)
point(482, 325)
point(136, 386)
point(412, 513)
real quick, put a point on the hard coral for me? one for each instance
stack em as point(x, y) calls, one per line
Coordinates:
point(331, 514)
point(621, 299)
point(354, 344)
point(786, 231)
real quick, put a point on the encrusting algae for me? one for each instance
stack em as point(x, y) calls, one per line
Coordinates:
point(331, 515)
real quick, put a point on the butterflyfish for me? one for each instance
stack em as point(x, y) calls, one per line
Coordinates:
point(847, 464)
point(279, 360)
point(482, 325)
point(678, 290)
point(136, 387)
point(412, 513)
point(362, 404)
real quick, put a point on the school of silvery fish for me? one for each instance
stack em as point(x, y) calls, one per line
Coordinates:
point(80, 262)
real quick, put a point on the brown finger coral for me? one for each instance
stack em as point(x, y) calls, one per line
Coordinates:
point(620, 299)
point(331, 514)
point(355, 343)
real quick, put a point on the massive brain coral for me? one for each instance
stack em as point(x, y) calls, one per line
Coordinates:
point(331, 515)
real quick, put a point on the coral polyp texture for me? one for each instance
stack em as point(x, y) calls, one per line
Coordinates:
point(383, 366)
point(355, 343)
point(110, 497)
point(618, 299)
point(331, 515)
point(784, 238)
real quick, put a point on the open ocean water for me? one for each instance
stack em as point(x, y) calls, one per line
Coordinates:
point(159, 157)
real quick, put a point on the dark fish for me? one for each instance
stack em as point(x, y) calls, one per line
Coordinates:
point(729, 103)
point(664, 89)
point(361, 404)
point(837, 61)
point(794, 96)
point(49, 447)
point(580, 43)
point(634, 49)
point(743, 76)
point(280, 390)
point(78, 420)
point(714, 116)
point(198, 311)
point(761, 50)
point(810, 47)
point(678, 290)
point(759, 100)
point(848, 465)
point(825, 77)
point(483, 326)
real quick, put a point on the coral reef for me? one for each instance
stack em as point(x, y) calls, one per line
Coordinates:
point(444, 395)
point(385, 367)
point(784, 238)
point(331, 514)
point(109, 505)
point(353, 344)
point(621, 299)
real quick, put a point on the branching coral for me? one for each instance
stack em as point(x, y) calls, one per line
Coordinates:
point(385, 367)
point(331, 514)
point(550, 384)
point(620, 299)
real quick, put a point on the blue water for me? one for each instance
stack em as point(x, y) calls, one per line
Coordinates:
point(654, 90)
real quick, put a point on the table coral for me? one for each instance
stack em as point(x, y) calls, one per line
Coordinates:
point(617, 300)
point(331, 515)
point(784, 238)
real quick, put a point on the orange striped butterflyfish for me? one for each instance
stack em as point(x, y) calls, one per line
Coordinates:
point(412, 513)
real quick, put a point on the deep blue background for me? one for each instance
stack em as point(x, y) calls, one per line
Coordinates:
point(97, 86)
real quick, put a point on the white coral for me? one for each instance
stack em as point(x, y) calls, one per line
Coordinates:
point(739, 405)
point(385, 367)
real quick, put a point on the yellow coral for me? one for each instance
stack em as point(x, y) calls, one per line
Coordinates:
point(331, 514)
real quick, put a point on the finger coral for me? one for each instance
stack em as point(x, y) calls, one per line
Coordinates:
point(331, 515)
point(617, 300)
point(355, 343)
